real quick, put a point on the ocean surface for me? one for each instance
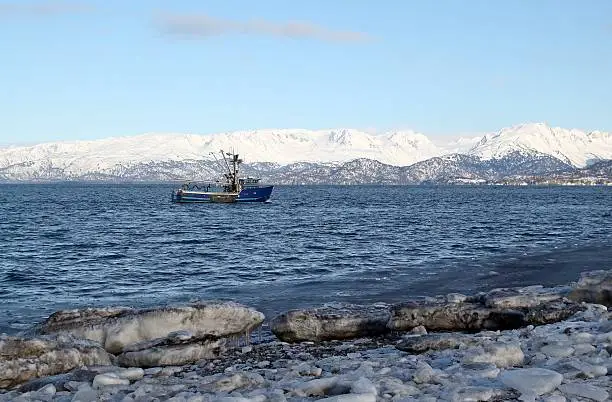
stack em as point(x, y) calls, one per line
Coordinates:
point(74, 245)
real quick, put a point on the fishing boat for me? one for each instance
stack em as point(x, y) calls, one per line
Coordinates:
point(230, 190)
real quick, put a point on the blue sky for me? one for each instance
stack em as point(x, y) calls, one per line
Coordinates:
point(93, 69)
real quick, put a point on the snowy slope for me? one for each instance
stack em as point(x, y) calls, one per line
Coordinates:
point(573, 146)
point(167, 156)
point(280, 146)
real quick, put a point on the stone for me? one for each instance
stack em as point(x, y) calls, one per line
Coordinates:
point(363, 386)
point(472, 394)
point(48, 389)
point(587, 370)
point(499, 353)
point(103, 380)
point(442, 316)
point(438, 341)
point(167, 352)
point(350, 398)
point(554, 398)
point(531, 381)
point(513, 298)
point(237, 380)
point(585, 391)
point(85, 395)
point(420, 330)
point(455, 298)
point(58, 381)
point(316, 387)
point(23, 359)
point(334, 321)
point(131, 373)
point(557, 350)
point(423, 374)
point(553, 311)
point(594, 287)
point(116, 328)
point(153, 371)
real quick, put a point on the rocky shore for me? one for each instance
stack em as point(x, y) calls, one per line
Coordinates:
point(529, 344)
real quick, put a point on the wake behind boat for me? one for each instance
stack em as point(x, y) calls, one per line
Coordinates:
point(232, 189)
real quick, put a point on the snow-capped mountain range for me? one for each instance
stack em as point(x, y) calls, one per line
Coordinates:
point(172, 156)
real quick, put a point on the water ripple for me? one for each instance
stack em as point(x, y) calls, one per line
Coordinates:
point(311, 245)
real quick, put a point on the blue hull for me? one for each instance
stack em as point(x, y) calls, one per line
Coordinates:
point(249, 194)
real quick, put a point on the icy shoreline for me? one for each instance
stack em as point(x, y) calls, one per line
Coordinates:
point(563, 360)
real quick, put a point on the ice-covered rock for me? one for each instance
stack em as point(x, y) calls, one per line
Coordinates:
point(22, 359)
point(531, 381)
point(585, 391)
point(103, 380)
point(350, 398)
point(557, 350)
point(116, 328)
point(594, 287)
point(499, 353)
point(337, 321)
point(525, 297)
point(441, 316)
point(436, 341)
point(171, 352)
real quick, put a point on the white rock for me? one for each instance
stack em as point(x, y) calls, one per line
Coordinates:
point(316, 387)
point(350, 398)
point(423, 374)
point(153, 371)
point(85, 395)
point(363, 386)
point(501, 354)
point(589, 370)
point(535, 381)
point(582, 337)
point(48, 389)
point(554, 398)
point(132, 373)
point(102, 380)
point(557, 350)
point(585, 391)
point(584, 349)
point(472, 394)
point(455, 298)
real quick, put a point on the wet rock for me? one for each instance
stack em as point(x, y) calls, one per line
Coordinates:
point(23, 359)
point(116, 328)
point(440, 341)
point(171, 351)
point(514, 298)
point(337, 321)
point(594, 287)
point(441, 316)
point(554, 311)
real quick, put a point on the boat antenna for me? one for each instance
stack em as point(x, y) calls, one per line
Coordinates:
point(226, 163)
point(217, 160)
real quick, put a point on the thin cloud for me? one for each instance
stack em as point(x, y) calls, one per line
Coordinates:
point(47, 8)
point(203, 26)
